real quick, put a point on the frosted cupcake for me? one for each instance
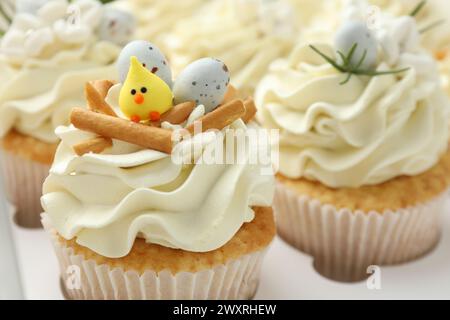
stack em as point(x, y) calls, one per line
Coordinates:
point(157, 17)
point(247, 35)
point(50, 51)
point(363, 164)
point(431, 17)
point(163, 222)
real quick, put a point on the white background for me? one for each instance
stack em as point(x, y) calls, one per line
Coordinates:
point(286, 273)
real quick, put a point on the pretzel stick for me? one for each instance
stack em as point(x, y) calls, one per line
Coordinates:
point(96, 102)
point(220, 118)
point(116, 128)
point(250, 110)
point(95, 145)
point(230, 94)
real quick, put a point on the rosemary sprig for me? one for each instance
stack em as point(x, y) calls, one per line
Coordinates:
point(432, 26)
point(347, 67)
point(328, 59)
point(5, 15)
point(418, 8)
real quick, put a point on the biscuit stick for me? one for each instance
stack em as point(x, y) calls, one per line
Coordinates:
point(176, 115)
point(250, 110)
point(96, 100)
point(95, 145)
point(219, 118)
point(230, 94)
point(121, 129)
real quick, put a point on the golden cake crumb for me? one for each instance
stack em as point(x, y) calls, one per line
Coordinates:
point(29, 147)
point(252, 237)
point(396, 193)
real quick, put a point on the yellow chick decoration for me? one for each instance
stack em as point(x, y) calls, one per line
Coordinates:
point(144, 96)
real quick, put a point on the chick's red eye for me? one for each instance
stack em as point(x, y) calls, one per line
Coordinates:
point(143, 89)
point(144, 65)
point(133, 92)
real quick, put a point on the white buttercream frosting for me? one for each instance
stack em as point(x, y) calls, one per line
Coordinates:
point(246, 35)
point(433, 11)
point(158, 17)
point(366, 131)
point(107, 200)
point(46, 58)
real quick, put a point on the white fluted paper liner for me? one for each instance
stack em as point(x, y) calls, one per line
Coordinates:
point(237, 279)
point(344, 243)
point(23, 181)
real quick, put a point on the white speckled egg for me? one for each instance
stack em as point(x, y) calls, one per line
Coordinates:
point(353, 32)
point(204, 81)
point(116, 26)
point(149, 55)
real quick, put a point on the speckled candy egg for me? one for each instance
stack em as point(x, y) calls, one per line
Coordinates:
point(116, 26)
point(204, 81)
point(353, 32)
point(149, 55)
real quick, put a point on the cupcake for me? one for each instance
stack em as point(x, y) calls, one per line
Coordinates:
point(157, 17)
point(50, 51)
point(431, 16)
point(364, 164)
point(6, 11)
point(247, 35)
point(133, 201)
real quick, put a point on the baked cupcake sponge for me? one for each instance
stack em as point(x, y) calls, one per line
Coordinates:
point(151, 271)
point(348, 230)
point(393, 194)
point(26, 162)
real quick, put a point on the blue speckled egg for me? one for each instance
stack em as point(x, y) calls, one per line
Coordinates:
point(204, 81)
point(116, 26)
point(357, 32)
point(149, 55)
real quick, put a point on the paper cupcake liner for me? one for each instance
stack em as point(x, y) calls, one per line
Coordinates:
point(345, 243)
point(237, 279)
point(23, 181)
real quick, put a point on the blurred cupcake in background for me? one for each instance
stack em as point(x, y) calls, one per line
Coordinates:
point(364, 164)
point(6, 13)
point(434, 25)
point(49, 52)
point(317, 18)
point(245, 34)
point(155, 18)
point(170, 218)
point(323, 17)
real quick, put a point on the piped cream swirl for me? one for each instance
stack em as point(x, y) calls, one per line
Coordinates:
point(107, 200)
point(246, 35)
point(45, 60)
point(366, 131)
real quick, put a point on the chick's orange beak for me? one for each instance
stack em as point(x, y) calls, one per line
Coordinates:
point(139, 98)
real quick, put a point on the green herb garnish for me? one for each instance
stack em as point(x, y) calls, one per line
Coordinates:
point(418, 8)
point(432, 26)
point(349, 69)
point(6, 16)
